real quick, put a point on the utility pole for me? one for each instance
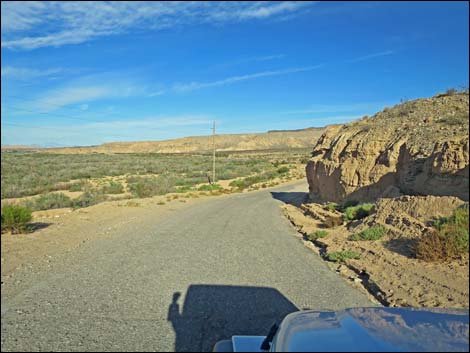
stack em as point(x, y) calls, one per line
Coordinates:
point(213, 153)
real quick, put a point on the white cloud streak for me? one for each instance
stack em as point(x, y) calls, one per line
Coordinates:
point(87, 89)
point(371, 56)
point(187, 87)
point(24, 73)
point(68, 22)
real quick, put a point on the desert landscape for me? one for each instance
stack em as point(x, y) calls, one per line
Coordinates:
point(234, 176)
point(390, 176)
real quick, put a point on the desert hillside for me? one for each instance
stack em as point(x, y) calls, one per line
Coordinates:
point(418, 147)
point(227, 142)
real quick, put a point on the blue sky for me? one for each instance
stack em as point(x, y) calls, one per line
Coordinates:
point(84, 73)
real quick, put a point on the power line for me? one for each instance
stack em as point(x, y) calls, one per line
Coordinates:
point(213, 153)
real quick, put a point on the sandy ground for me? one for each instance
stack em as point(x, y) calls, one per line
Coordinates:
point(387, 270)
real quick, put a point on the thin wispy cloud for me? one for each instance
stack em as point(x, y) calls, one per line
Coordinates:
point(249, 60)
point(153, 122)
point(126, 129)
point(63, 22)
point(372, 56)
point(156, 93)
point(25, 74)
point(187, 87)
point(88, 89)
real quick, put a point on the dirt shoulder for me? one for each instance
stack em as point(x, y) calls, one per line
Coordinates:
point(387, 268)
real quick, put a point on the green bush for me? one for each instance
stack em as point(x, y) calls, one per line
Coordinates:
point(332, 206)
point(348, 203)
point(359, 211)
point(51, 200)
point(15, 218)
point(373, 233)
point(342, 256)
point(77, 186)
point(88, 198)
point(113, 188)
point(209, 187)
point(449, 240)
point(317, 235)
point(151, 186)
point(283, 170)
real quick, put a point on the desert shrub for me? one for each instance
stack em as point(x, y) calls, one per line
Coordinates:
point(332, 206)
point(358, 212)
point(342, 256)
point(209, 187)
point(151, 186)
point(76, 187)
point(333, 221)
point(51, 200)
point(283, 170)
point(373, 233)
point(182, 189)
point(451, 91)
point(449, 239)
point(113, 188)
point(15, 218)
point(317, 235)
point(255, 179)
point(346, 204)
point(88, 198)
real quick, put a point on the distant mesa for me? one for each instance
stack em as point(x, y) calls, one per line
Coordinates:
point(20, 148)
point(272, 140)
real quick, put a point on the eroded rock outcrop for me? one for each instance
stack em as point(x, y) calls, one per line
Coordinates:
point(416, 148)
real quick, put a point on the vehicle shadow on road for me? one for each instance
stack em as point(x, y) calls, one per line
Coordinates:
point(291, 198)
point(215, 312)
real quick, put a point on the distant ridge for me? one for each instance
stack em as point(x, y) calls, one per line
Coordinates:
point(295, 130)
point(20, 148)
point(274, 139)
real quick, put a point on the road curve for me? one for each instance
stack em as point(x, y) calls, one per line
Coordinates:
point(228, 265)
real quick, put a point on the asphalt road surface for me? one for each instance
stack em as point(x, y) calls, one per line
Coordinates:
point(224, 266)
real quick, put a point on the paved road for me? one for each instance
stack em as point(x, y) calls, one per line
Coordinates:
point(228, 265)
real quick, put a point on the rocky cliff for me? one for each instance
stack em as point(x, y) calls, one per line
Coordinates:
point(418, 147)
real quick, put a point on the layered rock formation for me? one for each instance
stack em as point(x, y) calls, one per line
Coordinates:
point(419, 147)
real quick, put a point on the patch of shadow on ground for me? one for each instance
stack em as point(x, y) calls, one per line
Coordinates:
point(402, 246)
point(35, 226)
point(211, 313)
point(291, 198)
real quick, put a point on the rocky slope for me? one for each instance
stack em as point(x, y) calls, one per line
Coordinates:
point(419, 147)
point(228, 142)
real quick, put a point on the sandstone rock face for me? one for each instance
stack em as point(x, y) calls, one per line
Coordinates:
point(419, 147)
